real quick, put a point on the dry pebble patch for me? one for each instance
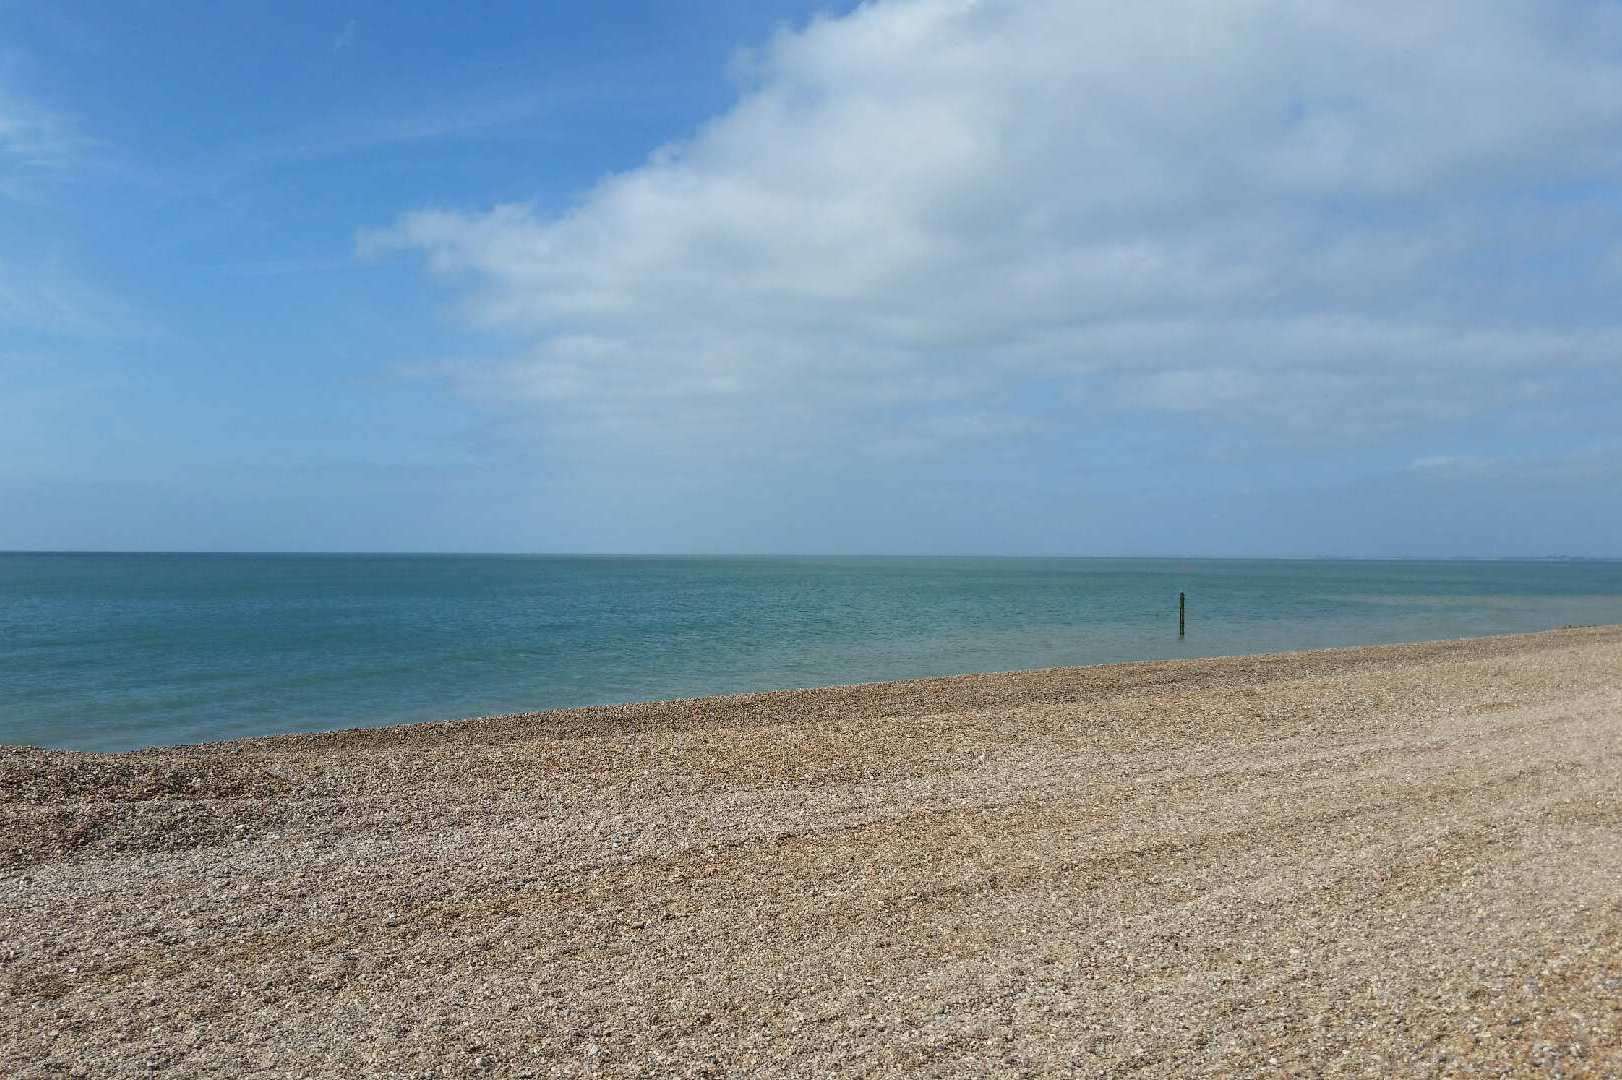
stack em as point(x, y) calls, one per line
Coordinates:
point(1394, 861)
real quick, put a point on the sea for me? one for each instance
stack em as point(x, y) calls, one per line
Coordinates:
point(106, 652)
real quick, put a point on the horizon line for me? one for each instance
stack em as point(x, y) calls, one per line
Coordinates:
point(357, 552)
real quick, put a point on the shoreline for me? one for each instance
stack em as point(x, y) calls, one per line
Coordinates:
point(1386, 858)
point(748, 701)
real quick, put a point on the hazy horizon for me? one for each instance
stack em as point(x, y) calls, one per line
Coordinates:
point(1106, 556)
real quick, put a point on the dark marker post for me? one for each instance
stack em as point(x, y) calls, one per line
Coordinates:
point(1181, 608)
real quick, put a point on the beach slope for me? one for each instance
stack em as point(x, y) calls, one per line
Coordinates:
point(1399, 860)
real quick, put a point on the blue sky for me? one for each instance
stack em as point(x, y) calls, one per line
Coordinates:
point(1231, 278)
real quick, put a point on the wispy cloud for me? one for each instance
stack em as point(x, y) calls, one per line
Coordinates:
point(46, 295)
point(54, 300)
point(216, 172)
point(357, 132)
point(34, 140)
point(1450, 463)
point(1591, 461)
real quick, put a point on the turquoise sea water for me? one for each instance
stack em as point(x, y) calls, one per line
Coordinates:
point(109, 652)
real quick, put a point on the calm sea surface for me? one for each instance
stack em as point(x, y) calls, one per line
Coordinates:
point(110, 652)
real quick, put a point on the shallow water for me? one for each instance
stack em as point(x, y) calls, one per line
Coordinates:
point(107, 652)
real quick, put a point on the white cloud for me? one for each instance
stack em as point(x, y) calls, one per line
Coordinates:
point(921, 216)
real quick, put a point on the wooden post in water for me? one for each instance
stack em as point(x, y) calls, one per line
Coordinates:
point(1182, 606)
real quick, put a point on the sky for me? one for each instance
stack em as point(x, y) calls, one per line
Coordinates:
point(1192, 277)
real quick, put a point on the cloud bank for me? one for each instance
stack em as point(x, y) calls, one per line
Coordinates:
point(939, 223)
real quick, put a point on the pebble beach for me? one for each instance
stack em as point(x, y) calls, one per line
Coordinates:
point(1384, 861)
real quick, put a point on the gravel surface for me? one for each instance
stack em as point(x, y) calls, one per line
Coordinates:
point(1386, 861)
